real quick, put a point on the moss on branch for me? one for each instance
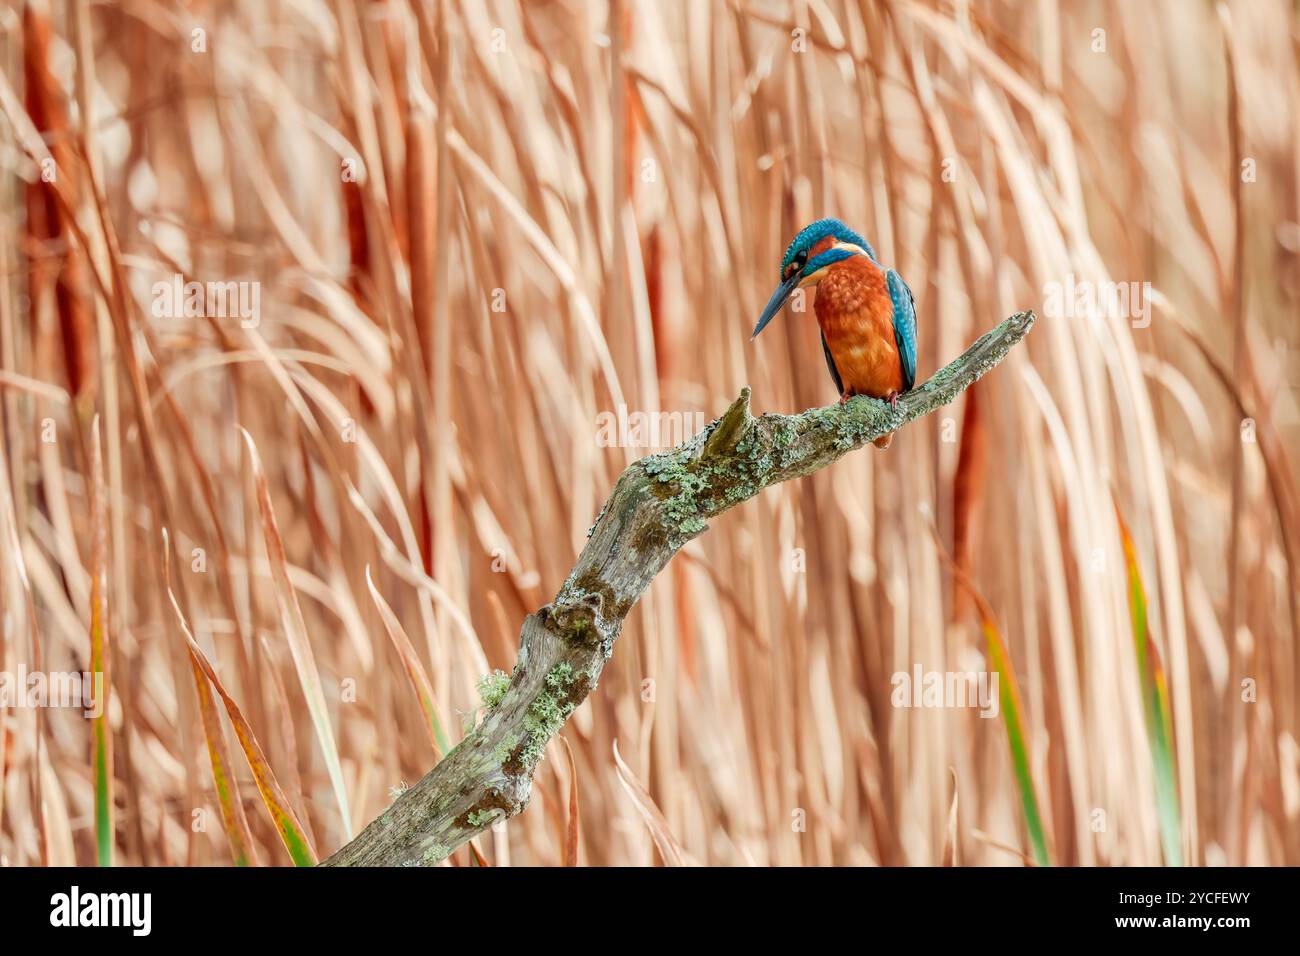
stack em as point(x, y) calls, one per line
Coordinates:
point(657, 505)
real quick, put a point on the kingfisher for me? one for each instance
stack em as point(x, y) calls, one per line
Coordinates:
point(866, 312)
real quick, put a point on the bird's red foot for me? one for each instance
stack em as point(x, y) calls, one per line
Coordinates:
point(893, 400)
point(844, 399)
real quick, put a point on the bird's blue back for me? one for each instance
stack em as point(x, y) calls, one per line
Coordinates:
point(904, 325)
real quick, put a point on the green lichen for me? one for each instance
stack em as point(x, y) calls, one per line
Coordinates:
point(547, 713)
point(791, 456)
point(492, 688)
point(501, 752)
point(694, 486)
point(434, 853)
point(481, 818)
point(680, 485)
point(693, 489)
point(854, 421)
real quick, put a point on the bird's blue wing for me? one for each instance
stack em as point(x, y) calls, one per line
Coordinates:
point(904, 325)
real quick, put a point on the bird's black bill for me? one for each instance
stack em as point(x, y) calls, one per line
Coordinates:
point(776, 303)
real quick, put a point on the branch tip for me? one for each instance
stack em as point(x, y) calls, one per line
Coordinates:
point(731, 427)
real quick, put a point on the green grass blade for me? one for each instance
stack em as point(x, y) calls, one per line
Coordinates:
point(1009, 698)
point(233, 819)
point(277, 804)
point(1155, 708)
point(1009, 701)
point(295, 632)
point(102, 749)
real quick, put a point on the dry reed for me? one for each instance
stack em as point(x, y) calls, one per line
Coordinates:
point(475, 228)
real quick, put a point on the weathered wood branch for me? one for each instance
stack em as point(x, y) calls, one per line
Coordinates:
point(658, 504)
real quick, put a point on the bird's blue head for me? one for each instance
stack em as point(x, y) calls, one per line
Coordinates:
point(816, 247)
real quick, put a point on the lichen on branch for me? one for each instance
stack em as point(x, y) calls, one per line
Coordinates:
point(658, 504)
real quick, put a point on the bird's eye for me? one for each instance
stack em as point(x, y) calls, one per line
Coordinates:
point(800, 259)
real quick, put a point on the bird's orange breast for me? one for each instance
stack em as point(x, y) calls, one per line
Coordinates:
point(856, 316)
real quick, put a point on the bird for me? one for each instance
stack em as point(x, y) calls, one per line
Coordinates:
point(866, 313)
